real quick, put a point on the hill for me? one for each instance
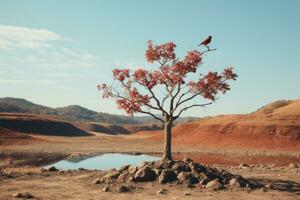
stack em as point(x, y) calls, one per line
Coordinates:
point(9, 137)
point(114, 129)
point(72, 112)
point(274, 126)
point(38, 124)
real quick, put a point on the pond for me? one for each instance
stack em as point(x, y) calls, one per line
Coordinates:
point(103, 162)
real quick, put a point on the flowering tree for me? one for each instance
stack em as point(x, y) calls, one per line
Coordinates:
point(168, 91)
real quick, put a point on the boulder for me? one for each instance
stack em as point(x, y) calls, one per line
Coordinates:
point(197, 168)
point(180, 166)
point(214, 185)
point(132, 169)
point(142, 164)
point(163, 164)
point(145, 174)
point(112, 175)
point(125, 176)
point(124, 168)
point(187, 177)
point(183, 177)
point(167, 176)
point(238, 182)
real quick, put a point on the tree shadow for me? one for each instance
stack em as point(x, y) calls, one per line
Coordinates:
point(279, 185)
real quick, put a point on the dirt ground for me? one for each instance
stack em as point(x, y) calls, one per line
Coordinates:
point(20, 170)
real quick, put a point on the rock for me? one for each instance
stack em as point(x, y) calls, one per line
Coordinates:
point(163, 164)
point(112, 175)
point(97, 181)
point(125, 176)
point(269, 186)
point(214, 185)
point(243, 166)
point(124, 168)
point(25, 195)
point(227, 175)
point(106, 189)
point(181, 167)
point(193, 180)
point(292, 166)
point(197, 168)
point(168, 164)
point(183, 177)
point(52, 169)
point(122, 189)
point(145, 174)
point(167, 176)
point(161, 191)
point(81, 168)
point(132, 169)
point(238, 182)
point(142, 164)
point(187, 194)
point(204, 181)
point(157, 171)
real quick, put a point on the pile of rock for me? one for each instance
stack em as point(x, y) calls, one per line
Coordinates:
point(182, 172)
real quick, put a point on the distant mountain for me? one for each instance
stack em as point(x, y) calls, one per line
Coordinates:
point(72, 112)
point(9, 104)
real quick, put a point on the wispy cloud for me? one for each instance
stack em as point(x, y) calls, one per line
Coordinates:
point(25, 81)
point(12, 37)
point(61, 58)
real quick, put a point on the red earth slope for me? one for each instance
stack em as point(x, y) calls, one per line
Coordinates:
point(275, 126)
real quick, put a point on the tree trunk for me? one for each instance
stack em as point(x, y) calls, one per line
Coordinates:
point(167, 149)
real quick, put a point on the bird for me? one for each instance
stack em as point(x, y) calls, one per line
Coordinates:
point(206, 41)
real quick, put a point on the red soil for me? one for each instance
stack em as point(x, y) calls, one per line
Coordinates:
point(273, 127)
point(219, 159)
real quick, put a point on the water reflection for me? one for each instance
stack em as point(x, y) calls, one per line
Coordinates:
point(103, 162)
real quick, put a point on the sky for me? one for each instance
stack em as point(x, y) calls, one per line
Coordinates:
point(55, 52)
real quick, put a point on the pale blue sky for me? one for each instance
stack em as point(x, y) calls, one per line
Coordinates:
point(55, 52)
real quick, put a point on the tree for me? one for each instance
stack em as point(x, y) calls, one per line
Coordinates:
point(164, 93)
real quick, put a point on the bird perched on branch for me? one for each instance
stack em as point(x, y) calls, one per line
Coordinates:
point(206, 41)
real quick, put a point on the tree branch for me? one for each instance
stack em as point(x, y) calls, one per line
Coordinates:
point(185, 100)
point(208, 50)
point(188, 107)
point(153, 115)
